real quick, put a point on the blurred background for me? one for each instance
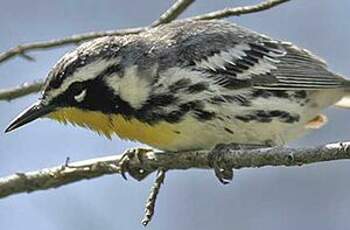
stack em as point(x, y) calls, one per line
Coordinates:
point(308, 197)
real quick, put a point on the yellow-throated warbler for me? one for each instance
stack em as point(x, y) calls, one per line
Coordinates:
point(190, 85)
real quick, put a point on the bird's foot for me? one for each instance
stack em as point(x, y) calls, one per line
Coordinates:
point(223, 170)
point(137, 173)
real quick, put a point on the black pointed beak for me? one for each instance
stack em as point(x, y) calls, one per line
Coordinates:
point(35, 111)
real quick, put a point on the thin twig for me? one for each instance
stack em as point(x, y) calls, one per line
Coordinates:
point(152, 198)
point(27, 56)
point(173, 12)
point(237, 11)
point(21, 49)
point(21, 90)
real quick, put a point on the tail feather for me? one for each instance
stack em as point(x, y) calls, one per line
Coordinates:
point(344, 102)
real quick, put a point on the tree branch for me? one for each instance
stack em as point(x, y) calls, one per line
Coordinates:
point(21, 90)
point(171, 14)
point(74, 39)
point(151, 201)
point(237, 11)
point(151, 161)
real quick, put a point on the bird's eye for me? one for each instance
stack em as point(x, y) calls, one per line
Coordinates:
point(78, 91)
point(80, 97)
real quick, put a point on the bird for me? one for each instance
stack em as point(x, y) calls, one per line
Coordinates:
point(191, 85)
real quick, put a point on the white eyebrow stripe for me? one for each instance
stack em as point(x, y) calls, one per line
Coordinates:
point(85, 73)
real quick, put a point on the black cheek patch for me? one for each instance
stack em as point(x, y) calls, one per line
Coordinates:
point(99, 97)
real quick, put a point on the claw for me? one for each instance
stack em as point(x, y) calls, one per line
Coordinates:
point(223, 171)
point(124, 163)
point(225, 176)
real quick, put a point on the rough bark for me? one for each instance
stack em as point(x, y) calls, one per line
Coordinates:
point(228, 157)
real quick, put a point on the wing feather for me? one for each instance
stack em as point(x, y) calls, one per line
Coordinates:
point(231, 55)
point(272, 65)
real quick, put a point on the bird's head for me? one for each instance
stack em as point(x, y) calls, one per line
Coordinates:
point(85, 88)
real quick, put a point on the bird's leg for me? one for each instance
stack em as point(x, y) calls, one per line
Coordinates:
point(223, 171)
point(124, 163)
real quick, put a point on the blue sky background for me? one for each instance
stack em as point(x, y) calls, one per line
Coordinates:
point(308, 197)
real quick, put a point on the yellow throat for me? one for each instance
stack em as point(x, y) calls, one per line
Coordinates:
point(159, 135)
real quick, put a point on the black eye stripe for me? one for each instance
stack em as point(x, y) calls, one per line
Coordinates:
point(55, 83)
point(77, 87)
